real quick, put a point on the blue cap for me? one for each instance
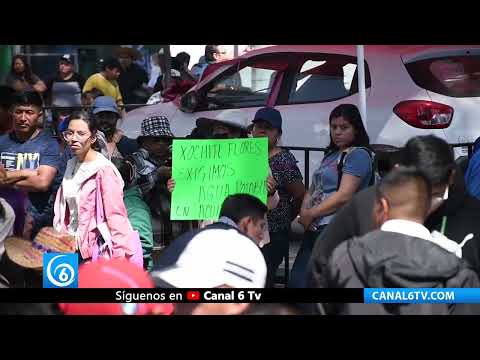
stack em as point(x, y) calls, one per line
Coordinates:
point(270, 115)
point(105, 103)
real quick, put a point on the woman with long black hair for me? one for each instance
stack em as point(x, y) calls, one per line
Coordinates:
point(21, 77)
point(346, 168)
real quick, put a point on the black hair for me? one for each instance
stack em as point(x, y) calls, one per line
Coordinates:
point(27, 72)
point(394, 183)
point(351, 114)
point(125, 168)
point(6, 97)
point(182, 58)
point(238, 206)
point(27, 98)
point(111, 63)
point(87, 118)
point(431, 154)
point(176, 64)
point(210, 50)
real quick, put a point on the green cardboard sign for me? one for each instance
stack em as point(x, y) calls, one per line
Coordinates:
point(207, 171)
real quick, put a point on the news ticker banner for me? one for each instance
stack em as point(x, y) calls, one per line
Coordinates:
point(371, 295)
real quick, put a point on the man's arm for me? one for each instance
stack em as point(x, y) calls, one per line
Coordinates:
point(38, 180)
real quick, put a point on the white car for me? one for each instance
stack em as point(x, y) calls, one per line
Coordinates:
point(411, 90)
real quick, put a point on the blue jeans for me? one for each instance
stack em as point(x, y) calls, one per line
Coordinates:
point(298, 276)
point(274, 253)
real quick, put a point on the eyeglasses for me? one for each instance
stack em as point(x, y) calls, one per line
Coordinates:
point(69, 135)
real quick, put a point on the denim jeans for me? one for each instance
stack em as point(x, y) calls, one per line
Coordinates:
point(274, 253)
point(298, 276)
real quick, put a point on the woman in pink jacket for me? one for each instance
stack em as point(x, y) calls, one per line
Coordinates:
point(89, 203)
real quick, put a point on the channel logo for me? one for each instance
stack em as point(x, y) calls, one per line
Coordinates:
point(60, 270)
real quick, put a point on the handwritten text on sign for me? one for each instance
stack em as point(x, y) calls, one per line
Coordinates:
point(207, 171)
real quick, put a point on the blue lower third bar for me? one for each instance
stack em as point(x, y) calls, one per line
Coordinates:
point(421, 295)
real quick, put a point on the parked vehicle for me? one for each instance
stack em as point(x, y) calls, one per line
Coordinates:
point(411, 90)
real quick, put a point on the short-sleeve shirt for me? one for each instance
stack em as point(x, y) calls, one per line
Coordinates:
point(107, 87)
point(285, 171)
point(65, 92)
point(357, 162)
point(41, 150)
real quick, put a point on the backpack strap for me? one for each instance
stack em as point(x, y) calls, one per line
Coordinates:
point(102, 227)
point(340, 168)
point(341, 162)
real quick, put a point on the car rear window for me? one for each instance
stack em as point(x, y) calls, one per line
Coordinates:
point(455, 76)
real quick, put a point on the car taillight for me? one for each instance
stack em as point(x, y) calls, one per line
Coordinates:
point(424, 114)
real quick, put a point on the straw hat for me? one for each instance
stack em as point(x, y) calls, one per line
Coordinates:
point(29, 254)
point(129, 51)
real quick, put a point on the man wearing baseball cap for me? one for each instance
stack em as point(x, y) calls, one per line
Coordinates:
point(64, 89)
point(269, 115)
point(213, 258)
point(106, 114)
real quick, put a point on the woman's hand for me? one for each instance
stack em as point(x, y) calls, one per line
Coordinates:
point(170, 185)
point(271, 185)
point(306, 218)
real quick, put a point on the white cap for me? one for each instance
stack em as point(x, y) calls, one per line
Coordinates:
point(232, 117)
point(216, 257)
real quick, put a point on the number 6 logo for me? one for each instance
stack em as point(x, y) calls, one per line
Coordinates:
point(60, 273)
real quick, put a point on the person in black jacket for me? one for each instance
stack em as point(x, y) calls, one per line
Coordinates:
point(402, 254)
point(459, 212)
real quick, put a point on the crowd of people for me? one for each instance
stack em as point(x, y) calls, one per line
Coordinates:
point(83, 187)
